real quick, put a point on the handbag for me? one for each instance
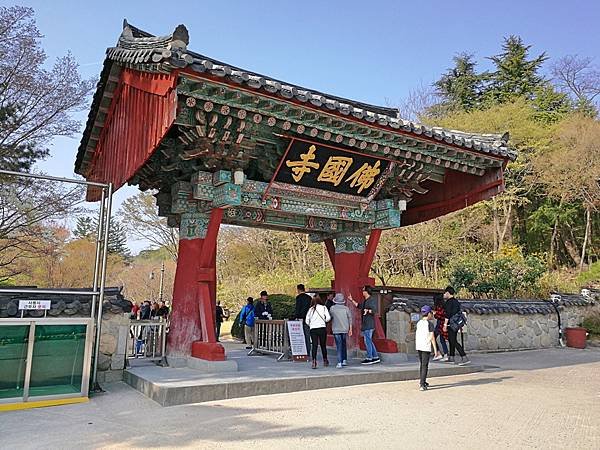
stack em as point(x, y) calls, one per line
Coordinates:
point(457, 321)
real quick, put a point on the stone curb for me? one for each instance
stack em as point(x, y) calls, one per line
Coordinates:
point(180, 395)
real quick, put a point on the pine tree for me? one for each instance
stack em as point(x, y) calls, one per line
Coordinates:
point(515, 75)
point(85, 228)
point(461, 86)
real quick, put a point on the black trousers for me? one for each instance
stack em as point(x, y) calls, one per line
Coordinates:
point(318, 336)
point(424, 359)
point(306, 330)
point(454, 345)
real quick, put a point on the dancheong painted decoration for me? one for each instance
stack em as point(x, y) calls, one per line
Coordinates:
point(223, 145)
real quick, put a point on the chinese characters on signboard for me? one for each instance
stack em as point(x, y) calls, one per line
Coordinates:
point(331, 169)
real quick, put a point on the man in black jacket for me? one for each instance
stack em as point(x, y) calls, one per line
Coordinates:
point(302, 307)
point(263, 309)
point(452, 307)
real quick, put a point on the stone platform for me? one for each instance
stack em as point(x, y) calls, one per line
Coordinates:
point(263, 375)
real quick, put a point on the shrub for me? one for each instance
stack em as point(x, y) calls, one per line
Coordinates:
point(283, 308)
point(506, 275)
point(592, 323)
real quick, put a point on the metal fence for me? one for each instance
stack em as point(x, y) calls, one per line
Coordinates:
point(271, 337)
point(147, 339)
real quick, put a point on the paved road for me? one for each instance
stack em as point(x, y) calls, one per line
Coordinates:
point(538, 399)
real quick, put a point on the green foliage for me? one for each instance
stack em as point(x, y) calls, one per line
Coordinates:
point(591, 276)
point(516, 75)
point(85, 228)
point(283, 308)
point(592, 323)
point(460, 87)
point(321, 279)
point(507, 275)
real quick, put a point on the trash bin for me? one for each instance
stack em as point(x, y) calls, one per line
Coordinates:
point(576, 337)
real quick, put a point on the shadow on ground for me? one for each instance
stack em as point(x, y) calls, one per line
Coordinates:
point(476, 382)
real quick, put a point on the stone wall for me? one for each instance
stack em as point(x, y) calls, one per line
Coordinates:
point(489, 331)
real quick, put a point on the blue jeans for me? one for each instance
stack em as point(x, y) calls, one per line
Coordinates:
point(442, 342)
point(371, 351)
point(340, 345)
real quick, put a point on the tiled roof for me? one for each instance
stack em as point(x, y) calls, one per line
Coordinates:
point(413, 304)
point(143, 51)
point(63, 305)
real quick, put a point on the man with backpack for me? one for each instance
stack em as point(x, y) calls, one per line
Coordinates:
point(453, 323)
point(247, 322)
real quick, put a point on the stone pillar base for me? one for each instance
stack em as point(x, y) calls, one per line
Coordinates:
point(202, 365)
point(209, 351)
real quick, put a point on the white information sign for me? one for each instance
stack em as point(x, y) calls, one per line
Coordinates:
point(34, 304)
point(297, 342)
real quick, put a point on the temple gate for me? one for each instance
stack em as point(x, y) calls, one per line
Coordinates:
point(222, 145)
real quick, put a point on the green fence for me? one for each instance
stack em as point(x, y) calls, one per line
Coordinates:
point(44, 358)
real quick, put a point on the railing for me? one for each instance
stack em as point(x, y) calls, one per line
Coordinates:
point(147, 339)
point(45, 358)
point(271, 337)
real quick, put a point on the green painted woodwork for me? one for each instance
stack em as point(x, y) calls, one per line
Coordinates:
point(350, 243)
point(353, 134)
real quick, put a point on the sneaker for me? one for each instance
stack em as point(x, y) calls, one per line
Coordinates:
point(445, 359)
point(437, 358)
point(366, 361)
point(344, 363)
point(338, 366)
point(423, 388)
point(465, 361)
point(450, 359)
point(326, 363)
point(375, 361)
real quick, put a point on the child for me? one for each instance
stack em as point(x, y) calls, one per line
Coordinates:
point(341, 327)
point(424, 339)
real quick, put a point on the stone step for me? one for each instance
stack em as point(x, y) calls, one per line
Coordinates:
point(170, 387)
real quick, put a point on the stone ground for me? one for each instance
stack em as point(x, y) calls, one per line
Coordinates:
point(535, 399)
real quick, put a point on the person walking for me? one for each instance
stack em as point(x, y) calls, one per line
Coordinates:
point(302, 305)
point(368, 309)
point(452, 325)
point(218, 319)
point(440, 314)
point(341, 328)
point(317, 318)
point(424, 340)
point(247, 322)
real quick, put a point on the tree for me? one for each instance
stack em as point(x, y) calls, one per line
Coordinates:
point(578, 77)
point(140, 217)
point(26, 209)
point(570, 171)
point(515, 74)
point(84, 228)
point(460, 87)
point(35, 103)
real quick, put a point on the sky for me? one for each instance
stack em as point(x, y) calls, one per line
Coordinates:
point(371, 51)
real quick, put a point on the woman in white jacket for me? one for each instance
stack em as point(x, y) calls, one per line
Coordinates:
point(316, 319)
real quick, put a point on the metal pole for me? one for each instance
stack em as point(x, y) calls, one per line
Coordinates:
point(95, 385)
point(98, 246)
point(162, 281)
point(46, 177)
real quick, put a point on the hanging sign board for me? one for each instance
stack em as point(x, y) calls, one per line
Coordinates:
point(297, 342)
point(34, 304)
point(315, 165)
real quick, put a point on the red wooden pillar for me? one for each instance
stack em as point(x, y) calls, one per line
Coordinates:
point(192, 331)
point(351, 262)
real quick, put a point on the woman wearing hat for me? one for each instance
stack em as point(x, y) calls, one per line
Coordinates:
point(341, 327)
